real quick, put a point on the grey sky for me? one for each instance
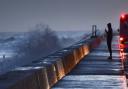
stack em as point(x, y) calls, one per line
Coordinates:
point(21, 15)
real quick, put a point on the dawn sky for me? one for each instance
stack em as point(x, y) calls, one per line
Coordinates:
point(60, 15)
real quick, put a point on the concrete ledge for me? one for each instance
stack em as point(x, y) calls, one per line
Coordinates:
point(68, 59)
point(58, 65)
point(25, 78)
point(51, 71)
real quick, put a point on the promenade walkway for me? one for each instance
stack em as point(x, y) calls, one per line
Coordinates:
point(95, 71)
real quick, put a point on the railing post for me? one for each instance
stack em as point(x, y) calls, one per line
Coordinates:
point(94, 29)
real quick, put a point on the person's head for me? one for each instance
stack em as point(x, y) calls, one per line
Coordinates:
point(109, 25)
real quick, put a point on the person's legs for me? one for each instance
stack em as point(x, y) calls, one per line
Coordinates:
point(109, 48)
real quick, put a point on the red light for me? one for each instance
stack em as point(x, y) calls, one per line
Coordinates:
point(122, 50)
point(121, 38)
point(122, 16)
point(122, 46)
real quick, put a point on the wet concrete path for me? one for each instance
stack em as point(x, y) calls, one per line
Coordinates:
point(95, 71)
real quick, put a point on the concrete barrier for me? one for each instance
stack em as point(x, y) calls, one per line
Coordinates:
point(79, 52)
point(58, 65)
point(51, 71)
point(80, 46)
point(68, 59)
point(86, 49)
point(74, 53)
point(25, 78)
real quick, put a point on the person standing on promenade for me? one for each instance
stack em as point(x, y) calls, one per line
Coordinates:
point(109, 33)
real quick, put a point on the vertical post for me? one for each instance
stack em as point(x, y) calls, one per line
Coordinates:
point(94, 28)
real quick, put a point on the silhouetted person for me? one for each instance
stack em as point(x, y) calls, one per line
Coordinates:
point(109, 39)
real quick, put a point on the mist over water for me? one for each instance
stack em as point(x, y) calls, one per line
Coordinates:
point(20, 48)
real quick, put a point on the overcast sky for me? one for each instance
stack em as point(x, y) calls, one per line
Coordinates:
point(60, 15)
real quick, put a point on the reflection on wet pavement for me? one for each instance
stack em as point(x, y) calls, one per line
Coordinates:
point(93, 82)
